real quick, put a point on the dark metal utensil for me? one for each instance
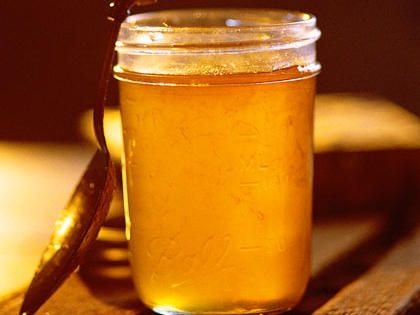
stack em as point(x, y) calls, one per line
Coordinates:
point(74, 232)
point(79, 223)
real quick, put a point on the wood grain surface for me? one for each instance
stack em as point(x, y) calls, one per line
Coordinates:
point(391, 287)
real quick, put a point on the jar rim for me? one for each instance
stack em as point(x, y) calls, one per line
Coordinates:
point(142, 21)
point(217, 27)
point(217, 41)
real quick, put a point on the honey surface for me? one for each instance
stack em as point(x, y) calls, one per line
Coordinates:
point(218, 183)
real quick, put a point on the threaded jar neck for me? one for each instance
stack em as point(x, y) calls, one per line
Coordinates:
point(217, 41)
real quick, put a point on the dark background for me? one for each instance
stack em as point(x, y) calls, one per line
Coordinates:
point(51, 54)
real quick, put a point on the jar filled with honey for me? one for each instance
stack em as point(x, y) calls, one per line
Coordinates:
point(217, 116)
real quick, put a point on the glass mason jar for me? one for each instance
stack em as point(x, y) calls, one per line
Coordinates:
point(217, 115)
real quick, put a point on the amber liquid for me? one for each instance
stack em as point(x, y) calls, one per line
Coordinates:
point(218, 184)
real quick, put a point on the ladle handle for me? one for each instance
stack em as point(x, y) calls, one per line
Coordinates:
point(119, 10)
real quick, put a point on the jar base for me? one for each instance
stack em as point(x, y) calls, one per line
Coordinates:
point(170, 311)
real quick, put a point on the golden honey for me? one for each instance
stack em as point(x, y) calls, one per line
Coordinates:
point(218, 188)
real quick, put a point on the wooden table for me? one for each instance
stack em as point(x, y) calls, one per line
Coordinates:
point(366, 238)
point(359, 265)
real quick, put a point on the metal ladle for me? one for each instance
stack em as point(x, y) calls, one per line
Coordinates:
point(79, 223)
